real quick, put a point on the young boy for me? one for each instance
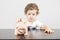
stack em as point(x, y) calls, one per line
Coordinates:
point(31, 11)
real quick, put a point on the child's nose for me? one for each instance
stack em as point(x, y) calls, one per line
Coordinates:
point(31, 15)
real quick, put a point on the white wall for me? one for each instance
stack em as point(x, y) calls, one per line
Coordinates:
point(11, 9)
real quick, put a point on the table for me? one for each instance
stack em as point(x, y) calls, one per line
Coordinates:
point(33, 34)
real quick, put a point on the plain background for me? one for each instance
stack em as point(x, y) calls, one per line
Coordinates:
point(12, 9)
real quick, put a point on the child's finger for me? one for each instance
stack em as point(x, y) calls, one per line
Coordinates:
point(49, 31)
point(46, 31)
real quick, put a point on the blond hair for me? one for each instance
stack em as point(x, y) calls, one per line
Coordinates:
point(31, 6)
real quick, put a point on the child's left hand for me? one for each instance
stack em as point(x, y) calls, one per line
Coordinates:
point(49, 31)
point(46, 29)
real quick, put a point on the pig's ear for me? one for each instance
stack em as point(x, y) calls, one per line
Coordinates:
point(18, 20)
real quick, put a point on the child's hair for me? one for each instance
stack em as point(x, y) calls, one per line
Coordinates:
point(31, 6)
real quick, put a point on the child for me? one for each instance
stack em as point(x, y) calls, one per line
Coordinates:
point(31, 11)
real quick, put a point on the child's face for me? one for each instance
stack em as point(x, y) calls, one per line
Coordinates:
point(31, 15)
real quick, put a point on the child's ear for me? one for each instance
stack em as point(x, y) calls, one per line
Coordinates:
point(37, 13)
point(26, 14)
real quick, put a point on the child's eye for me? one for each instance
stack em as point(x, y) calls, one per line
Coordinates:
point(29, 14)
point(33, 14)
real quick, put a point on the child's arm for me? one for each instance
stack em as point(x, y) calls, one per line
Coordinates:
point(26, 29)
point(46, 29)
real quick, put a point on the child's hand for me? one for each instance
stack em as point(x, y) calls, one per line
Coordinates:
point(46, 29)
point(49, 31)
point(26, 34)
